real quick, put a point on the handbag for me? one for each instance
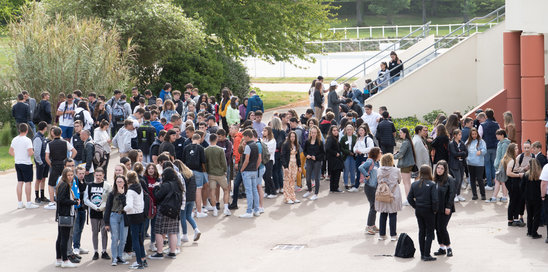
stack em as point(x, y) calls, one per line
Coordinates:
point(65, 221)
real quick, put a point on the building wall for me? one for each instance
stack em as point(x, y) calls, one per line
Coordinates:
point(527, 15)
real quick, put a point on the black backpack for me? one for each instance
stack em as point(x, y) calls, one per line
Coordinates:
point(405, 247)
point(171, 206)
point(80, 116)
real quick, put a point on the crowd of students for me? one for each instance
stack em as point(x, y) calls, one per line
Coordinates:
point(179, 152)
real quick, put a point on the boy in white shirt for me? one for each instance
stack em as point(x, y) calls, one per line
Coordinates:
point(22, 151)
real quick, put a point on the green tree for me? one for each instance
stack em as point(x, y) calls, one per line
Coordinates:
point(469, 8)
point(57, 54)
point(271, 29)
point(389, 8)
point(10, 8)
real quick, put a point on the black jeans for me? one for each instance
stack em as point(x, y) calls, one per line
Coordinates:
point(382, 223)
point(61, 244)
point(476, 175)
point(236, 188)
point(387, 148)
point(334, 179)
point(370, 194)
point(512, 184)
point(533, 216)
point(269, 189)
point(442, 220)
point(427, 221)
point(458, 175)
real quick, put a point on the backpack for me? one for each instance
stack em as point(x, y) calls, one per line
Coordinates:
point(150, 209)
point(171, 206)
point(99, 155)
point(80, 116)
point(383, 193)
point(265, 154)
point(405, 248)
point(145, 137)
point(118, 113)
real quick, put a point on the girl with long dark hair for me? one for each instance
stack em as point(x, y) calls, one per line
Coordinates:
point(335, 163)
point(291, 162)
point(314, 152)
point(457, 154)
point(446, 193)
point(65, 207)
point(116, 220)
point(223, 107)
point(406, 159)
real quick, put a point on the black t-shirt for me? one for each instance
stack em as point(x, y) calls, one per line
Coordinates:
point(194, 157)
point(95, 195)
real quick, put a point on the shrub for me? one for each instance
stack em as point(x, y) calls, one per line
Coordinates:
point(410, 123)
point(431, 116)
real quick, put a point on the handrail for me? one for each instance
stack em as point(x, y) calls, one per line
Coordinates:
point(436, 45)
point(424, 28)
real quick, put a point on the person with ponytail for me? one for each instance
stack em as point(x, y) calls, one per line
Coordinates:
point(446, 194)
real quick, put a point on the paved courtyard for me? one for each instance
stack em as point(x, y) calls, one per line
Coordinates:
point(330, 228)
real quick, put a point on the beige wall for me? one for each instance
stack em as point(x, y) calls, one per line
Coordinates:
point(527, 15)
point(458, 79)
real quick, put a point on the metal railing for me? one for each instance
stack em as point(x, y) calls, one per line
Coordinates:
point(447, 41)
point(414, 36)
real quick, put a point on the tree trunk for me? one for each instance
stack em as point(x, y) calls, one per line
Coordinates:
point(359, 15)
point(423, 11)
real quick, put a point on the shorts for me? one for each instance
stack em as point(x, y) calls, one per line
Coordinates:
point(406, 169)
point(55, 172)
point(24, 172)
point(201, 178)
point(42, 171)
point(214, 180)
point(67, 132)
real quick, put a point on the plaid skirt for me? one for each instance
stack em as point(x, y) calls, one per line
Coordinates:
point(165, 224)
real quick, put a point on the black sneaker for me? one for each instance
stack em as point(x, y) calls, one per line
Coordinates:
point(156, 256)
point(475, 198)
point(233, 206)
point(37, 200)
point(121, 261)
point(171, 255)
point(105, 256)
point(95, 256)
point(483, 197)
point(73, 259)
point(218, 205)
point(44, 199)
point(137, 266)
point(511, 224)
point(77, 256)
point(536, 236)
point(428, 258)
point(145, 264)
point(440, 251)
point(449, 252)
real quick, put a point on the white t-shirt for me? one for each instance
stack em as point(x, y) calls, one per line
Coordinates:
point(21, 145)
point(371, 120)
point(66, 120)
point(544, 175)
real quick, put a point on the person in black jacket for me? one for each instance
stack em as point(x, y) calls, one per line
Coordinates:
point(65, 207)
point(167, 145)
point(457, 155)
point(314, 153)
point(386, 133)
point(423, 197)
point(87, 156)
point(277, 171)
point(21, 111)
point(531, 189)
point(536, 149)
point(446, 207)
point(335, 163)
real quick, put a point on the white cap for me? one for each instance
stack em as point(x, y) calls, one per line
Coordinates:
point(333, 83)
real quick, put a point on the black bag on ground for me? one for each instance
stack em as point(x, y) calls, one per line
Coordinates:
point(405, 247)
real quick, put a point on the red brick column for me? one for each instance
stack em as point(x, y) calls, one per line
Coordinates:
point(512, 77)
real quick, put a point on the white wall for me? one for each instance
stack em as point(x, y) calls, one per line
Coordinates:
point(527, 15)
point(460, 78)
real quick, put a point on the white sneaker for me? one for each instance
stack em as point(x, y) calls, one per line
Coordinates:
point(405, 203)
point(204, 209)
point(20, 205)
point(491, 200)
point(456, 199)
point(297, 201)
point(152, 247)
point(68, 264)
point(51, 206)
point(209, 207)
point(382, 238)
point(246, 215)
point(290, 202)
point(184, 238)
point(31, 205)
point(58, 263)
point(215, 212)
point(314, 197)
point(393, 238)
point(261, 210)
point(270, 196)
point(126, 256)
point(83, 251)
point(461, 198)
point(265, 195)
point(227, 212)
point(282, 191)
point(76, 251)
point(307, 194)
point(488, 188)
point(257, 214)
point(201, 215)
point(352, 190)
point(197, 235)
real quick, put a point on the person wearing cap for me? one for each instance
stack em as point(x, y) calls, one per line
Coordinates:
point(333, 100)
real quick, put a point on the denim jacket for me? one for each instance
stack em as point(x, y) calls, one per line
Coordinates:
point(370, 176)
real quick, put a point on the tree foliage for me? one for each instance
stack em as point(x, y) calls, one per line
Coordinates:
point(389, 8)
point(10, 8)
point(157, 28)
point(57, 54)
point(270, 29)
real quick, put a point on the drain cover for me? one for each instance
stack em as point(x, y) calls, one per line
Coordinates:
point(289, 247)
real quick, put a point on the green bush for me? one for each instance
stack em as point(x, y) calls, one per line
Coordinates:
point(6, 134)
point(431, 116)
point(410, 123)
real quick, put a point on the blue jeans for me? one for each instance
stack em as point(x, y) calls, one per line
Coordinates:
point(489, 160)
point(359, 160)
point(394, 79)
point(277, 172)
point(151, 223)
point(236, 187)
point(349, 171)
point(79, 222)
point(261, 171)
point(118, 236)
point(251, 193)
point(186, 215)
point(137, 237)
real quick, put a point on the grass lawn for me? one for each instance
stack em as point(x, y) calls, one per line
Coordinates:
point(277, 99)
point(378, 20)
point(307, 80)
point(6, 161)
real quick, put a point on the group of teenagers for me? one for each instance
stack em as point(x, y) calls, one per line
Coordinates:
point(169, 151)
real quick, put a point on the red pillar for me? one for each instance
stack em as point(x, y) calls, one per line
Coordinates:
point(532, 87)
point(512, 77)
